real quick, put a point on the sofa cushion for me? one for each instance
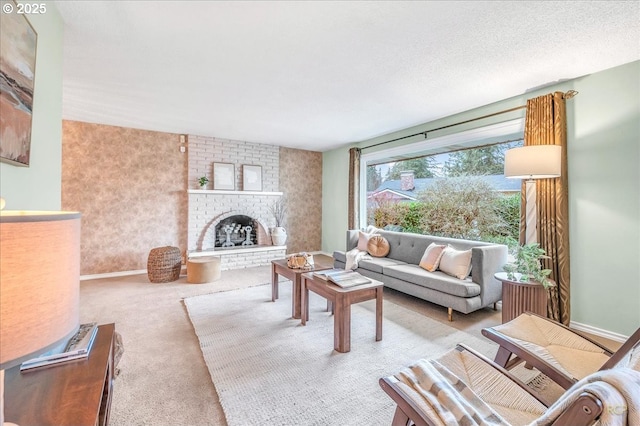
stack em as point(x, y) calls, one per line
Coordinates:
point(378, 246)
point(433, 280)
point(456, 263)
point(377, 264)
point(431, 257)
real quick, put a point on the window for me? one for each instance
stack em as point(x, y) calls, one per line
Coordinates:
point(451, 186)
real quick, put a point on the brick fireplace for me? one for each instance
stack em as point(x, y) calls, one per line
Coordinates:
point(210, 211)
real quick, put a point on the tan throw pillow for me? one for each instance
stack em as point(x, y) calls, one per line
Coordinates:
point(363, 240)
point(378, 246)
point(431, 257)
point(456, 263)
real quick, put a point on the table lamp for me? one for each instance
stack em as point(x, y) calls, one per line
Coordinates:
point(39, 285)
point(532, 162)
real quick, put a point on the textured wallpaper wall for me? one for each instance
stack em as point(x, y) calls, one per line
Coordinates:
point(301, 182)
point(130, 186)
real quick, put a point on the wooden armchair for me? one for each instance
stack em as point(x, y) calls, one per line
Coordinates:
point(472, 390)
point(562, 354)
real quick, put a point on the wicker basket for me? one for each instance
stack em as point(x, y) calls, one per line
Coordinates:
point(164, 264)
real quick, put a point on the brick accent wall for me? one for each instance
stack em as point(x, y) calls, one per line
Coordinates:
point(296, 173)
point(204, 151)
point(207, 210)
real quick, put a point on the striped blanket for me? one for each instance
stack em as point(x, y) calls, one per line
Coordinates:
point(452, 402)
point(448, 396)
point(619, 391)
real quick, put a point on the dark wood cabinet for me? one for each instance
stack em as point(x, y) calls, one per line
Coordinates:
point(75, 393)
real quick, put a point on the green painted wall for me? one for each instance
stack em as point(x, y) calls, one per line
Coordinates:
point(603, 135)
point(38, 187)
point(604, 200)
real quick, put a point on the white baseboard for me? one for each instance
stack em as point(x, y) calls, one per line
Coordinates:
point(144, 271)
point(112, 275)
point(320, 252)
point(598, 331)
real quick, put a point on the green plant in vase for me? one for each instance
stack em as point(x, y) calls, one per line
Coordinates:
point(203, 181)
point(528, 265)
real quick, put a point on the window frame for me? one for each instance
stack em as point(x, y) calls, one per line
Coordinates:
point(481, 136)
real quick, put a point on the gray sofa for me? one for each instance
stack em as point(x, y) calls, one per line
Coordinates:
point(399, 270)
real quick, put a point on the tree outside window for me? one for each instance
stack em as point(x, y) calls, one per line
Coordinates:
point(461, 194)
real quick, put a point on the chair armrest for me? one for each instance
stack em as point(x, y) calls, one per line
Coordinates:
point(626, 347)
point(585, 410)
point(392, 386)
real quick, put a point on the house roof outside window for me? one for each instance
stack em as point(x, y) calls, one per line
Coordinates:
point(392, 189)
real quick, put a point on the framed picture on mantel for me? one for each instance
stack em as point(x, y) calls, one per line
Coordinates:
point(251, 178)
point(224, 176)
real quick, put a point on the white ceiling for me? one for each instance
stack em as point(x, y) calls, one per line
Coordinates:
point(317, 75)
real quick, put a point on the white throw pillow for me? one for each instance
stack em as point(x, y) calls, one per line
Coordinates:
point(456, 263)
point(363, 240)
point(431, 257)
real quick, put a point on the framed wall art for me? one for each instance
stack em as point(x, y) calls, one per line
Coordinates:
point(224, 176)
point(251, 178)
point(17, 74)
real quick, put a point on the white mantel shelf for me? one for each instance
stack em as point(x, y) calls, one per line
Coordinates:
point(224, 192)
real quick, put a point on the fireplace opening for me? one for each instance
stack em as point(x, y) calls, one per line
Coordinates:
point(237, 231)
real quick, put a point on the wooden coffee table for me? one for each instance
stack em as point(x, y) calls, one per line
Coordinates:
point(279, 267)
point(342, 299)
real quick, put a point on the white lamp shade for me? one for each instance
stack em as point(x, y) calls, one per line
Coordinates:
point(533, 162)
point(40, 284)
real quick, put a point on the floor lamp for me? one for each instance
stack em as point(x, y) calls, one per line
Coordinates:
point(532, 162)
point(40, 285)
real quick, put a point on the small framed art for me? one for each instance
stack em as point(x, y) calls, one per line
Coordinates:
point(251, 178)
point(224, 176)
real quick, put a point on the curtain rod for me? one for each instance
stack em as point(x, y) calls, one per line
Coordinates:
point(447, 126)
point(568, 95)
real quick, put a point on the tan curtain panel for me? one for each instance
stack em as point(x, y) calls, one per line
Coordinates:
point(354, 188)
point(546, 124)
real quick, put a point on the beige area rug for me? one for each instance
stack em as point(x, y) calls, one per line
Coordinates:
point(269, 370)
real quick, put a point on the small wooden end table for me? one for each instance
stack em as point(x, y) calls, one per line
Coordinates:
point(519, 297)
point(342, 299)
point(73, 393)
point(279, 267)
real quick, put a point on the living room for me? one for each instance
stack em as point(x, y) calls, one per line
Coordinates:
point(131, 183)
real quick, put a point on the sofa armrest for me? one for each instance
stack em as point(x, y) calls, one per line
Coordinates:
point(485, 262)
point(352, 239)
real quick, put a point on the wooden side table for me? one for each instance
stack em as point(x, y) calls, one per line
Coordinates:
point(279, 267)
point(73, 393)
point(518, 297)
point(342, 299)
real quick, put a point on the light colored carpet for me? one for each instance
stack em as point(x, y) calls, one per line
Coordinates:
point(164, 379)
point(268, 369)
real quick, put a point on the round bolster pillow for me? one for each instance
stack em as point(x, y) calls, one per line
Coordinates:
point(378, 246)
